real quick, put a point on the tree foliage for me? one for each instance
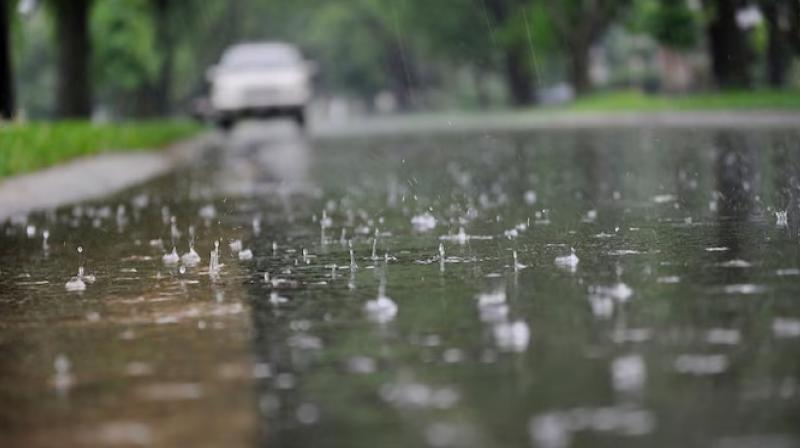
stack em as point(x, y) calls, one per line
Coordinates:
point(149, 56)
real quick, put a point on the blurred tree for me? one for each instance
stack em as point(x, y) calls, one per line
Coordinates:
point(74, 86)
point(126, 57)
point(164, 36)
point(782, 18)
point(671, 22)
point(6, 79)
point(189, 35)
point(364, 47)
point(579, 24)
point(510, 17)
point(728, 48)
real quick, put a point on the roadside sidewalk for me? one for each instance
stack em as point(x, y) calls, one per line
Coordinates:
point(444, 122)
point(93, 177)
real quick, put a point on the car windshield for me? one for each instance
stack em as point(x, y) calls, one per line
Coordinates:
point(259, 56)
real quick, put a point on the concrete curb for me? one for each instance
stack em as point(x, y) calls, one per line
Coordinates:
point(402, 125)
point(93, 177)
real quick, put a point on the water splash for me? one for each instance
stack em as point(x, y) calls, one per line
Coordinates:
point(628, 373)
point(63, 379)
point(424, 222)
point(375, 245)
point(171, 258)
point(382, 309)
point(276, 299)
point(213, 260)
point(75, 284)
point(245, 254)
point(517, 265)
point(512, 336)
point(78, 282)
point(353, 265)
point(569, 262)
point(781, 218)
point(191, 258)
point(325, 222)
point(235, 246)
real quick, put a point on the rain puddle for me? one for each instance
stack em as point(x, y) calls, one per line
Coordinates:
point(552, 289)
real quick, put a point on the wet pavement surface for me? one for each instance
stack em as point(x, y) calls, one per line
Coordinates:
point(550, 288)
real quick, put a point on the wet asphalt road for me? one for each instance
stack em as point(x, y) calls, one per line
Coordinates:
point(463, 317)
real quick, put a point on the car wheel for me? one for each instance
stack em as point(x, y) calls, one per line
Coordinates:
point(299, 117)
point(226, 123)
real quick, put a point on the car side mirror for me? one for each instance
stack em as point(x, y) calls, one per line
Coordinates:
point(211, 73)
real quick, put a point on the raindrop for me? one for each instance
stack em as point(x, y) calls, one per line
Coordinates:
point(174, 232)
point(62, 379)
point(276, 299)
point(257, 225)
point(628, 373)
point(530, 197)
point(307, 414)
point(353, 265)
point(701, 364)
point(361, 364)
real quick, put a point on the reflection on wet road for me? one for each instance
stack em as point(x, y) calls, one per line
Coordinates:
point(550, 288)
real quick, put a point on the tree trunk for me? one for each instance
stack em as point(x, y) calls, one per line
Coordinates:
point(579, 68)
point(6, 76)
point(779, 51)
point(73, 89)
point(518, 75)
point(163, 87)
point(729, 53)
point(402, 74)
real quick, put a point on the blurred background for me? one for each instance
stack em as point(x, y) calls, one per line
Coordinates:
point(123, 59)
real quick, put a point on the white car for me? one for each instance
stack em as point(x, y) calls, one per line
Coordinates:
point(260, 80)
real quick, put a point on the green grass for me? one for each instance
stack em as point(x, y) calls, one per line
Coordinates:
point(637, 101)
point(32, 146)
